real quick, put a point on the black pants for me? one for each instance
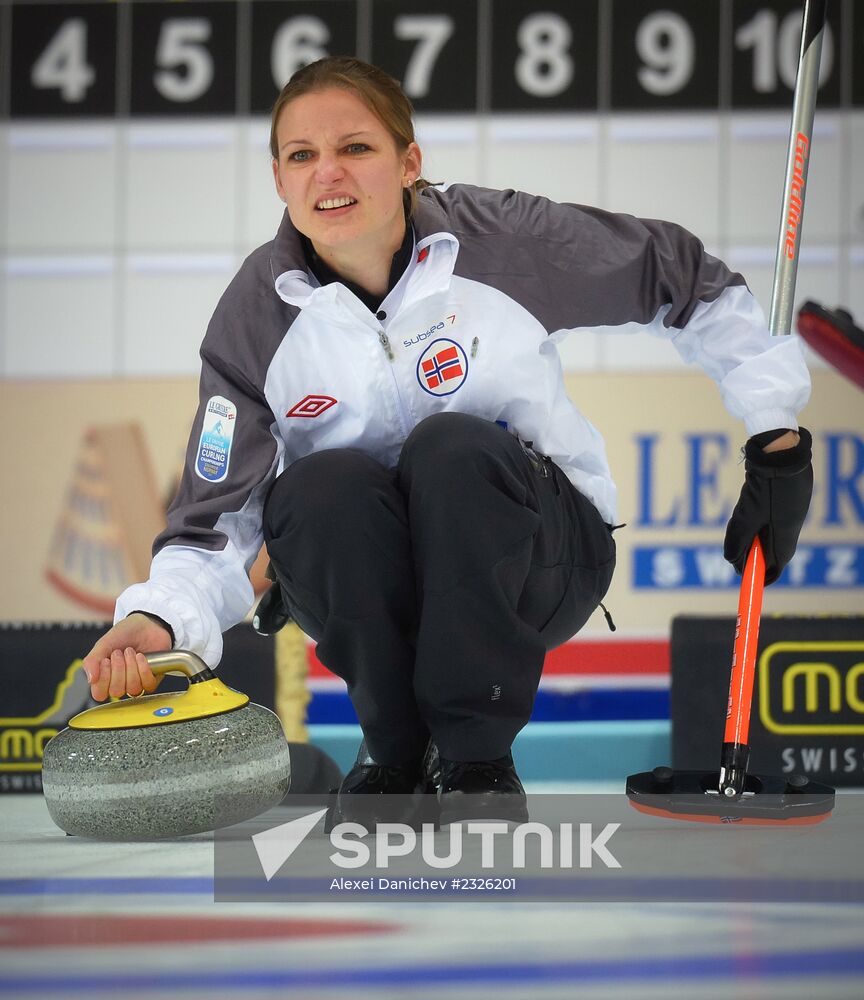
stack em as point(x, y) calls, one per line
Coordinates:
point(436, 590)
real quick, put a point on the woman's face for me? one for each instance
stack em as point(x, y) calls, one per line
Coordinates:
point(340, 173)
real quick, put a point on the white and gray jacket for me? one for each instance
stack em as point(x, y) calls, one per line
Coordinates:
point(496, 279)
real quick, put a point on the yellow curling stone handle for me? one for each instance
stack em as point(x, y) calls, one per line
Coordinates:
point(201, 699)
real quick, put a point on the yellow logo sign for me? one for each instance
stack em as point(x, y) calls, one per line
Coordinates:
point(22, 740)
point(808, 688)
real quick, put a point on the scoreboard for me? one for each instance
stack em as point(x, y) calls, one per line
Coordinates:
point(230, 57)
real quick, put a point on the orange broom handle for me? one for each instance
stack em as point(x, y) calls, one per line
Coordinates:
point(746, 641)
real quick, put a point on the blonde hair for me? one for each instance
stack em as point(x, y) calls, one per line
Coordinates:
point(383, 95)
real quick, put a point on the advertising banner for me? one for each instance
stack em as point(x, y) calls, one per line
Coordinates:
point(808, 702)
point(83, 508)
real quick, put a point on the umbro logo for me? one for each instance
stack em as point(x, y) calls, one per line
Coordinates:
point(311, 406)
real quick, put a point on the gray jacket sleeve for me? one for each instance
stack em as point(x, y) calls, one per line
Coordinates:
point(199, 580)
point(574, 266)
point(579, 268)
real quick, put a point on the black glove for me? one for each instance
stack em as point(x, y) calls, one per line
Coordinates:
point(774, 501)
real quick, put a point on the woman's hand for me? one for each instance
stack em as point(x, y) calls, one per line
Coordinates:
point(774, 501)
point(116, 665)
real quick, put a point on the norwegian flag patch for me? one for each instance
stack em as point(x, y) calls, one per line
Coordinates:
point(442, 368)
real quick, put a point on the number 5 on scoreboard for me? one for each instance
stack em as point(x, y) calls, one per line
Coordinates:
point(185, 70)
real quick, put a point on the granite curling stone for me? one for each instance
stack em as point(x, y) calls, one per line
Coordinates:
point(166, 765)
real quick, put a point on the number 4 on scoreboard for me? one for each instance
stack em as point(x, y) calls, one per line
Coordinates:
point(63, 64)
point(63, 59)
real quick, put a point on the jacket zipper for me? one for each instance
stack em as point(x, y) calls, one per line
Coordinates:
point(385, 343)
point(388, 350)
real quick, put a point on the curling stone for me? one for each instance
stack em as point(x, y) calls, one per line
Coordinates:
point(166, 765)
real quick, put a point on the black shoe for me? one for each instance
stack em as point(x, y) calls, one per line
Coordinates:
point(487, 789)
point(271, 613)
point(373, 793)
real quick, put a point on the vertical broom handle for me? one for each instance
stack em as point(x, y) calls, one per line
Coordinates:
point(736, 747)
point(797, 162)
point(746, 640)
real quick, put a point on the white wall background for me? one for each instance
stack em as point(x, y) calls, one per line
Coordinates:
point(117, 239)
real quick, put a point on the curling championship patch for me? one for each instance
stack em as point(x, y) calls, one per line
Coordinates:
point(217, 433)
point(442, 368)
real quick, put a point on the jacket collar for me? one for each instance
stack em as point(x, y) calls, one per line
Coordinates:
point(289, 269)
point(430, 220)
point(287, 250)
